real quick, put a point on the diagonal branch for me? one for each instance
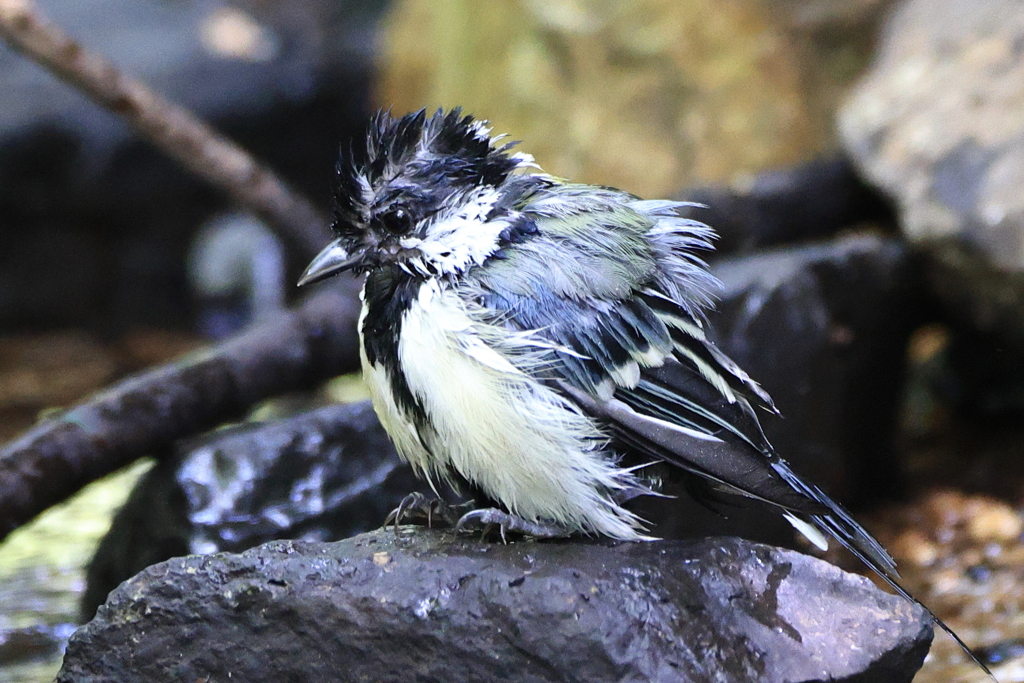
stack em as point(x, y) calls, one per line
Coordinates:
point(172, 128)
point(143, 414)
point(811, 200)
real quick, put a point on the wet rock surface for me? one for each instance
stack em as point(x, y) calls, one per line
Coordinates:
point(321, 475)
point(424, 605)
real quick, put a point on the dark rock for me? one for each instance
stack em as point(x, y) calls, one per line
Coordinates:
point(980, 375)
point(936, 124)
point(321, 475)
point(424, 606)
point(975, 296)
point(824, 329)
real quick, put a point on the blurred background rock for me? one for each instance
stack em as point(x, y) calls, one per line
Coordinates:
point(105, 245)
point(647, 95)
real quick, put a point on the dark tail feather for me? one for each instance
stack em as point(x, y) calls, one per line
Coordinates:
point(839, 524)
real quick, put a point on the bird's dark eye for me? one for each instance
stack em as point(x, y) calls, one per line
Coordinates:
point(395, 221)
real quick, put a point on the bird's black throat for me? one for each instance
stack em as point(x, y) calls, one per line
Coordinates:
point(387, 295)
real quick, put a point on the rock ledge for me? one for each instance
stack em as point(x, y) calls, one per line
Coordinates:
point(425, 605)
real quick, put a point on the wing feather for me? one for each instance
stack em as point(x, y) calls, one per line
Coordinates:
point(605, 279)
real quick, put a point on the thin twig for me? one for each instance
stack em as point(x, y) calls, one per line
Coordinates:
point(170, 127)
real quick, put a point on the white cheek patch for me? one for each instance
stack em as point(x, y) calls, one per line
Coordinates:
point(456, 242)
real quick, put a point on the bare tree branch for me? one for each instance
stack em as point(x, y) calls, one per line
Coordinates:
point(172, 128)
point(143, 414)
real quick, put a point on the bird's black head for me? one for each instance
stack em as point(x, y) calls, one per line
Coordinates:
point(415, 193)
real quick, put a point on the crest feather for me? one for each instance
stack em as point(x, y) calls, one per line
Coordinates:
point(437, 156)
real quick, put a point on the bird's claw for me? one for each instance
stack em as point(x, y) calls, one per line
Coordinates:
point(418, 507)
point(488, 518)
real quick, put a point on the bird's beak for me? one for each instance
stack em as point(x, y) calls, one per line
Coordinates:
point(328, 262)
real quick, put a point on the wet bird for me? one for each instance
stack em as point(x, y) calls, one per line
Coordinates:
point(542, 341)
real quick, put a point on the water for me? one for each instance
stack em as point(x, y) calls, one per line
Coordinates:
point(42, 576)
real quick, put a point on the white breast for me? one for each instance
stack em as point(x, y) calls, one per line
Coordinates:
point(518, 440)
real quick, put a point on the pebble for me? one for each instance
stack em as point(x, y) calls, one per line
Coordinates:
point(914, 547)
point(993, 521)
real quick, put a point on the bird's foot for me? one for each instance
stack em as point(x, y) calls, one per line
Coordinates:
point(417, 508)
point(487, 518)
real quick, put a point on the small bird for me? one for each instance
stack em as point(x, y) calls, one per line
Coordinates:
point(541, 341)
